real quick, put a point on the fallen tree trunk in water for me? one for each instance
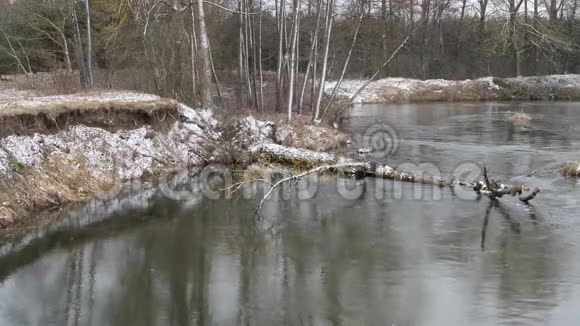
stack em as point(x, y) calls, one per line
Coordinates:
point(312, 162)
point(306, 159)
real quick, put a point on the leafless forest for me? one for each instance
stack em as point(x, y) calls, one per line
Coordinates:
point(271, 55)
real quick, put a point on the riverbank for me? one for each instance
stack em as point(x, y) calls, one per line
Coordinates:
point(405, 90)
point(60, 149)
point(70, 148)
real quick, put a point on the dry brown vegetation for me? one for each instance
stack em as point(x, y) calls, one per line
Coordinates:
point(109, 115)
point(519, 118)
point(571, 169)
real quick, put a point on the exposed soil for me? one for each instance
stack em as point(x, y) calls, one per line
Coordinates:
point(22, 113)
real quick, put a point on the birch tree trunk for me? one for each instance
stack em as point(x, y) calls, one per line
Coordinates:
point(260, 59)
point(344, 67)
point(79, 46)
point(280, 53)
point(293, 49)
point(66, 52)
point(329, 20)
point(193, 53)
point(90, 80)
point(241, 56)
point(311, 57)
point(204, 60)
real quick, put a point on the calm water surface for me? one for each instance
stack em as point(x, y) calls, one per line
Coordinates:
point(380, 258)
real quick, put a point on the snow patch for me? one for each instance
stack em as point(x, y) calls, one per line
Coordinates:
point(9, 97)
point(259, 131)
point(127, 154)
point(395, 89)
point(293, 153)
point(3, 161)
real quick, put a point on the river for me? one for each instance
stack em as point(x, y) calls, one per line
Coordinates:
point(360, 252)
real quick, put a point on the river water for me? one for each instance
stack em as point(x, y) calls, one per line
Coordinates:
point(358, 253)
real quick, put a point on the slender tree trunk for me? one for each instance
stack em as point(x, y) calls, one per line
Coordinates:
point(570, 28)
point(344, 67)
point(384, 25)
point(66, 52)
point(329, 20)
point(297, 64)
point(204, 60)
point(534, 50)
point(254, 60)
point(293, 49)
point(463, 3)
point(412, 14)
point(193, 54)
point(260, 59)
point(280, 54)
point(79, 46)
point(314, 72)
point(247, 46)
point(215, 76)
point(311, 55)
point(90, 80)
point(241, 56)
point(514, 40)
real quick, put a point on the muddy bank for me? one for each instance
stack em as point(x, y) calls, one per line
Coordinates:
point(26, 114)
point(404, 90)
point(61, 149)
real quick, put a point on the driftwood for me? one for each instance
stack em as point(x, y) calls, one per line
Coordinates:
point(318, 163)
point(530, 196)
point(494, 191)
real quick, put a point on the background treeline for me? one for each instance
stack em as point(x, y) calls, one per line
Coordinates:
point(274, 54)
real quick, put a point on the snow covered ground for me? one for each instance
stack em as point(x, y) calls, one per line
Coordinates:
point(10, 97)
point(80, 161)
point(487, 88)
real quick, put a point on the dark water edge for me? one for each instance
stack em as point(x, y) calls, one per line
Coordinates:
point(379, 253)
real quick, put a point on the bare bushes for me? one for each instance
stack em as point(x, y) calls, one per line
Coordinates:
point(519, 118)
point(300, 133)
point(60, 81)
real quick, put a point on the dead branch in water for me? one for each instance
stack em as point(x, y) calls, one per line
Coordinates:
point(494, 191)
point(282, 154)
point(297, 177)
point(530, 196)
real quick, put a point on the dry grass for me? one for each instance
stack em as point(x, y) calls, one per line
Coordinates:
point(570, 169)
point(519, 118)
point(110, 115)
point(62, 179)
